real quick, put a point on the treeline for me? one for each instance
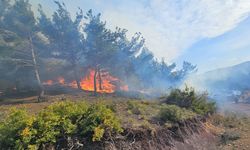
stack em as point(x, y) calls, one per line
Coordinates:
point(34, 49)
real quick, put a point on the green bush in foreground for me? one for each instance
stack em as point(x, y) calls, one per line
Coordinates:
point(13, 130)
point(98, 119)
point(60, 120)
point(188, 99)
point(174, 113)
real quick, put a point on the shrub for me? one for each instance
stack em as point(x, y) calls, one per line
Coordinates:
point(174, 113)
point(188, 99)
point(57, 120)
point(98, 120)
point(18, 130)
point(228, 136)
point(14, 130)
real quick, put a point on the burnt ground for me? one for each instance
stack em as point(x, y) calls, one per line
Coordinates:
point(197, 135)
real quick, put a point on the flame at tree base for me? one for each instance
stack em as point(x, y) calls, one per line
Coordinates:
point(105, 83)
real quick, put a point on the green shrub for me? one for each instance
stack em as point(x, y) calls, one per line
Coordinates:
point(229, 136)
point(174, 113)
point(18, 130)
point(57, 120)
point(14, 130)
point(188, 99)
point(98, 120)
point(70, 110)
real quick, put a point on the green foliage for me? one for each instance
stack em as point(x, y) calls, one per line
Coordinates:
point(188, 99)
point(60, 120)
point(14, 132)
point(67, 44)
point(97, 119)
point(174, 113)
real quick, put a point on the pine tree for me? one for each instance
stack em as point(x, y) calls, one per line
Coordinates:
point(64, 36)
point(20, 20)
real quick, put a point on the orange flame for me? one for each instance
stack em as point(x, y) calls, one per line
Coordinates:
point(48, 82)
point(109, 83)
point(87, 83)
point(61, 80)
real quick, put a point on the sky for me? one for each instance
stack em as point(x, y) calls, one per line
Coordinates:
point(209, 33)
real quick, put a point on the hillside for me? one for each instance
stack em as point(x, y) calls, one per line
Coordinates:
point(224, 80)
point(106, 121)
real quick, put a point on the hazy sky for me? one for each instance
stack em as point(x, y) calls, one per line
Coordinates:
point(209, 33)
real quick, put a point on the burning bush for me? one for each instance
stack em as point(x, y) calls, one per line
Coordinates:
point(58, 121)
point(189, 99)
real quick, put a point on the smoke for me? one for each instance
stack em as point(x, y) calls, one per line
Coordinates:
point(223, 85)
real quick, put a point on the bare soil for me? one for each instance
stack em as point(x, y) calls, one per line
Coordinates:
point(240, 125)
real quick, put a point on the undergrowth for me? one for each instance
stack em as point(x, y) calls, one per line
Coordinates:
point(189, 99)
point(174, 113)
point(60, 120)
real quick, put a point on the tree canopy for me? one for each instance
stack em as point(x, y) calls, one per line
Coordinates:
point(33, 48)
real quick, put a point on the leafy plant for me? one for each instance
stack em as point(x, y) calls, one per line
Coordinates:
point(189, 99)
point(18, 130)
point(14, 130)
point(98, 120)
point(174, 113)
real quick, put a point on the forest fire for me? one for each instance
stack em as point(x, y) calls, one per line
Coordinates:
point(48, 82)
point(105, 83)
point(61, 80)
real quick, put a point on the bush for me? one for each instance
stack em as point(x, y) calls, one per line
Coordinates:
point(227, 136)
point(98, 119)
point(14, 131)
point(60, 120)
point(57, 120)
point(174, 113)
point(188, 99)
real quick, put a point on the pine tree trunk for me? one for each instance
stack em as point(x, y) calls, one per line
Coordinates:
point(41, 87)
point(77, 78)
point(95, 86)
point(100, 79)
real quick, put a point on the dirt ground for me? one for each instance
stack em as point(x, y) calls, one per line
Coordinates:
point(241, 126)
